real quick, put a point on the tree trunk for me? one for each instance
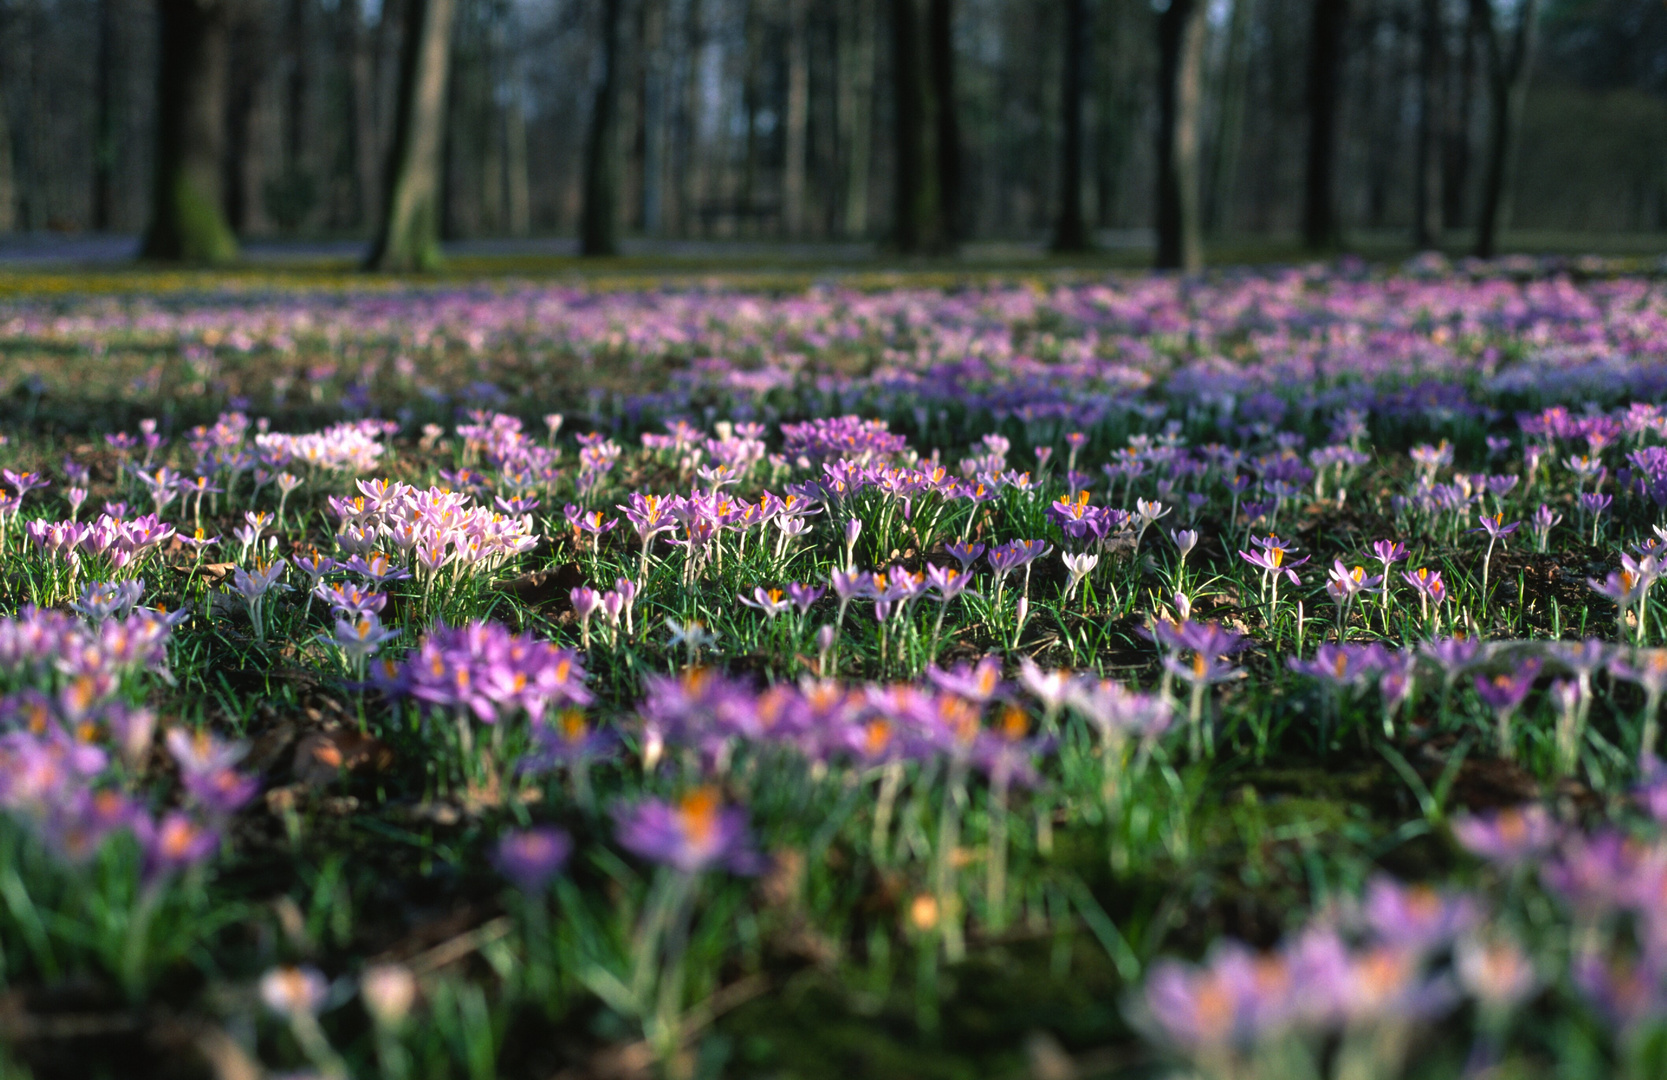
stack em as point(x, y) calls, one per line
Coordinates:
point(8, 176)
point(1426, 211)
point(361, 82)
point(516, 179)
point(1229, 135)
point(295, 92)
point(1455, 179)
point(409, 234)
point(599, 225)
point(188, 217)
point(1181, 32)
point(1071, 232)
point(798, 120)
point(1508, 78)
point(654, 71)
point(691, 172)
point(921, 224)
point(104, 121)
point(1321, 229)
point(856, 108)
point(752, 22)
point(940, 53)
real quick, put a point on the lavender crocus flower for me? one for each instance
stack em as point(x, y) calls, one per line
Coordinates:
point(531, 857)
point(696, 834)
point(1504, 693)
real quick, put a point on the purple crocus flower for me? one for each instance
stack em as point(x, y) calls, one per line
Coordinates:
point(803, 596)
point(1504, 693)
point(530, 858)
point(696, 834)
point(1417, 916)
point(978, 684)
point(174, 843)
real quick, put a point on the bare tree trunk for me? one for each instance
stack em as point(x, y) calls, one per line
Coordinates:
point(492, 113)
point(349, 202)
point(1508, 79)
point(940, 53)
point(104, 120)
point(1426, 211)
point(856, 108)
point(1181, 32)
point(751, 94)
point(599, 223)
point(654, 117)
point(691, 183)
point(361, 87)
point(1455, 174)
point(295, 86)
point(1321, 229)
point(1229, 135)
point(516, 179)
point(188, 216)
point(1071, 232)
point(922, 224)
point(8, 176)
point(409, 234)
point(798, 119)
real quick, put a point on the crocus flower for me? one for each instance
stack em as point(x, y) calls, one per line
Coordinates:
point(388, 991)
point(1504, 693)
point(175, 842)
point(360, 637)
point(1345, 585)
point(252, 587)
point(803, 596)
point(294, 991)
point(1494, 526)
point(1430, 588)
point(978, 684)
point(1077, 567)
point(1418, 916)
point(1628, 586)
point(1544, 520)
point(585, 602)
point(771, 602)
point(1495, 970)
point(696, 834)
point(965, 554)
point(531, 857)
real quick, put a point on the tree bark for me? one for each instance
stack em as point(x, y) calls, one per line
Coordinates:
point(361, 85)
point(922, 224)
point(188, 217)
point(8, 175)
point(517, 181)
point(599, 224)
point(798, 120)
point(856, 109)
point(654, 93)
point(691, 171)
point(1071, 232)
point(1455, 173)
point(295, 91)
point(1508, 79)
point(1321, 228)
point(104, 121)
point(1180, 91)
point(408, 237)
point(1426, 210)
point(1229, 134)
point(940, 52)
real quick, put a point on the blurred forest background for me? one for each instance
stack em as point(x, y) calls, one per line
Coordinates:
point(922, 124)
